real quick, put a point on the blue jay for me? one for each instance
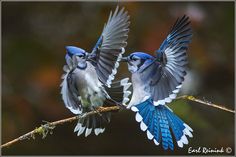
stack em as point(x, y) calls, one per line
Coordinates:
point(87, 82)
point(156, 81)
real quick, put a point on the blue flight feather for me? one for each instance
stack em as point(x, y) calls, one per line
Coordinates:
point(180, 30)
point(99, 42)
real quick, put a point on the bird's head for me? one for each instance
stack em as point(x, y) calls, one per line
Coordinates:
point(137, 60)
point(79, 54)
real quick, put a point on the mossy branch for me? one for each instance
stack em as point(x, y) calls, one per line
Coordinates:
point(49, 126)
point(44, 129)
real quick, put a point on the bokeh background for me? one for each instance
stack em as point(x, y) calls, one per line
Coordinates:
point(34, 36)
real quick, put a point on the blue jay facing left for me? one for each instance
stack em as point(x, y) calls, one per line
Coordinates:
point(156, 81)
point(87, 82)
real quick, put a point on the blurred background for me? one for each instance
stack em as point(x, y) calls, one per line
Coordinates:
point(34, 36)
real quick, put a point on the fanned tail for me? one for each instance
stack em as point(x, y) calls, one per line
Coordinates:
point(91, 123)
point(158, 122)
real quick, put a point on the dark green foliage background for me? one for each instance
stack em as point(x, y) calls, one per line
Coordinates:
point(34, 36)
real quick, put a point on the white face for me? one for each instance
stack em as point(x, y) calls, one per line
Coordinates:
point(81, 59)
point(133, 63)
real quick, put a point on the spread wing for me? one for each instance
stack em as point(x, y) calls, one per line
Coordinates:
point(110, 46)
point(70, 94)
point(166, 74)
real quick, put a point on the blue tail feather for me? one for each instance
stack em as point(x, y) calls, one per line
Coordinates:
point(156, 132)
point(144, 111)
point(167, 141)
point(151, 123)
point(179, 129)
point(142, 105)
point(176, 125)
point(146, 118)
point(160, 121)
point(179, 121)
point(178, 133)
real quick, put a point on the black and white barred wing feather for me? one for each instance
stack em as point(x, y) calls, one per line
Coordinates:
point(70, 95)
point(170, 68)
point(110, 46)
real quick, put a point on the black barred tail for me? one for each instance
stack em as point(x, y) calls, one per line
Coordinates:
point(119, 91)
point(93, 123)
point(158, 122)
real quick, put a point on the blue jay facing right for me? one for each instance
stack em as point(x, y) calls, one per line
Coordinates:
point(87, 82)
point(156, 81)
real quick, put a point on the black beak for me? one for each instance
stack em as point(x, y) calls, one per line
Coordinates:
point(124, 59)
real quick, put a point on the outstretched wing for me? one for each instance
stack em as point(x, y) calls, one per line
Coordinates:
point(70, 94)
point(168, 71)
point(110, 46)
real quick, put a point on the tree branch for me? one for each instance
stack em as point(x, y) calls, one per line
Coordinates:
point(204, 102)
point(49, 126)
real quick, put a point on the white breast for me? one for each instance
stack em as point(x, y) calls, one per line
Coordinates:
point(90, 88)
point(139, 93)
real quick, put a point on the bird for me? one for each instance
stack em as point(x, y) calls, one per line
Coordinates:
point(88, 77)
point(156, 80)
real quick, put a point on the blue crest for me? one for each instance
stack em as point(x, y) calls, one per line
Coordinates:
point(142, 55)
point(72, 50)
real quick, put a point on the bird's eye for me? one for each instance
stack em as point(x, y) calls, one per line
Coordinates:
point(130, 57)
point(81, 56)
